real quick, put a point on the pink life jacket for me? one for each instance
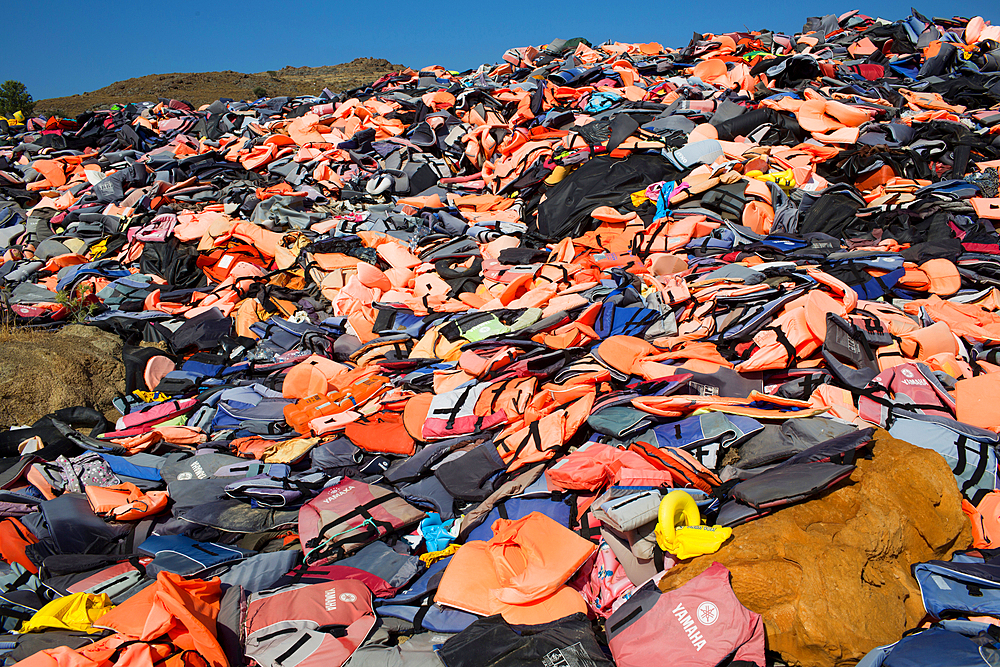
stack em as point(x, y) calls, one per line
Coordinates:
point(350, 514)
point(284, 626)
point(702, 623)
point(453, 413)
point(160, 412)
point(909, 387)
point(595, 466)
point(605, 586)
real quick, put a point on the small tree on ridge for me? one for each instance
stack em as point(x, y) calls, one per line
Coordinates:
point(14, 96)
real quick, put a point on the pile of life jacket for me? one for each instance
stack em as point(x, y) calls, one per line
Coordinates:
point(415, 373)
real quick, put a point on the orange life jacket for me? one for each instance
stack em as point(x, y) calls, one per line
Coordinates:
point(125, 502)
point(354, 395)
point(14, 537)
point(519, 573)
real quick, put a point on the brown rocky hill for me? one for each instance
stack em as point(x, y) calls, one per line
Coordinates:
point(204, 87)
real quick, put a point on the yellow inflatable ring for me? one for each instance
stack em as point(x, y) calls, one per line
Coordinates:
point(676, 506)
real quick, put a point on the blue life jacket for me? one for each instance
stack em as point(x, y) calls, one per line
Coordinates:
point(954, 645)
point(963, 587)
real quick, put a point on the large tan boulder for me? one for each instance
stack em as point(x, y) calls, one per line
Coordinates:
point(831, 577)
point(41, 372)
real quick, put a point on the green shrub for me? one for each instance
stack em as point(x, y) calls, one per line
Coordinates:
point(14, 96)
point(81, 303)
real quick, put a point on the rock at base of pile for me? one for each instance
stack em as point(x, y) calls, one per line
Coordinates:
point(831, 577)
point(41, 372)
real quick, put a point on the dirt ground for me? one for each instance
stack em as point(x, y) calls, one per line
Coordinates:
point(205, 87)
point(43, 371)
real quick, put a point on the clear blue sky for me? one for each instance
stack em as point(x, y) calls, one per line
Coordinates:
point(70, 46)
